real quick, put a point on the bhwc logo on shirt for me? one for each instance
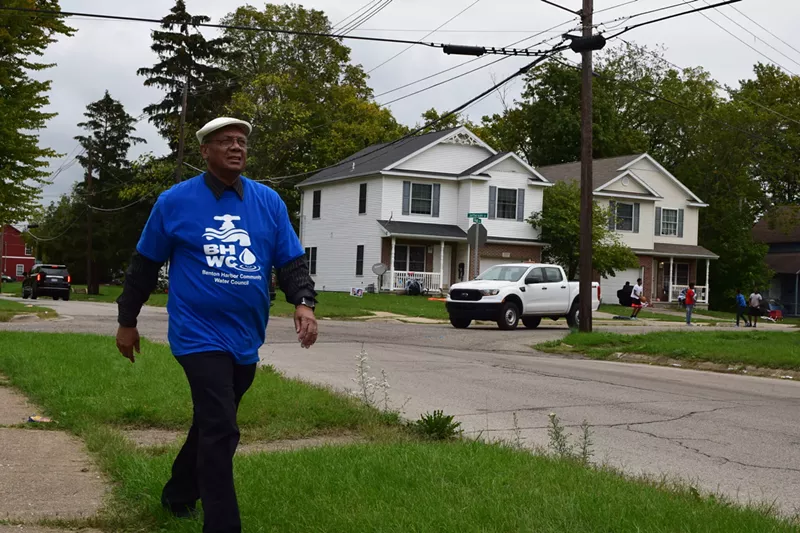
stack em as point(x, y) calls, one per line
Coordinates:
point(232, 251)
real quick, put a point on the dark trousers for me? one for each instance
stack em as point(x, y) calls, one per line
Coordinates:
point(741, 313)
point(204, 466)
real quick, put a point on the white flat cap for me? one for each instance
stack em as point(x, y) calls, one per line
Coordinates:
point(219, 123)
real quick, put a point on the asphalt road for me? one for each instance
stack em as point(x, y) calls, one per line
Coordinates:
point(736, 435)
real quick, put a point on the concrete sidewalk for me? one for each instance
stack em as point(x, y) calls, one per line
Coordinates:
point(44, 474)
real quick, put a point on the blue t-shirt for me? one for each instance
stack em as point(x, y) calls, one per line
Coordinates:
point(740, 301)
point(221, 254)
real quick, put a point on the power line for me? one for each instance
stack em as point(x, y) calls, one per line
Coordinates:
point(66, 230)
point(365, 18)
point(426, 36)
point(756, 36)
point(675, 15)
point(730, 91)
point(636, 15)
point(406, 138)
point(765, 29)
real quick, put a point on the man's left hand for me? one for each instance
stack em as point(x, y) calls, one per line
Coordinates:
point(305, 323)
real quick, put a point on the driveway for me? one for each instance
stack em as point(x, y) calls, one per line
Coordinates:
point(738, 435)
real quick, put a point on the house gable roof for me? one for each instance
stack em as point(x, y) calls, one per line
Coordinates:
point(375, 158)
point(603, 170)
point(423, 229)
point(668, 174)
point(485, 166)
point(650, 192)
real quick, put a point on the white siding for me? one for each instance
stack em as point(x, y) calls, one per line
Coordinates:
point(510, 165)
point(393, 201)
point(644, 239)
point(674, 198)
point(340, 229)
point(464, 192)
point(632, 187)
point(510, 229)
point(447, 158)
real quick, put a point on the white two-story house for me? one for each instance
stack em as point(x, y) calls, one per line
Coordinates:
point(405, 205)
point(656, 216)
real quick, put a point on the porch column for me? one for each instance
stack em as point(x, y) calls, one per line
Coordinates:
point(391, 266)
point(669, 294)
point(441, 266)
point(708, 288)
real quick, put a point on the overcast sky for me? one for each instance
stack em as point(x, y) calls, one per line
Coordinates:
point(106, 54)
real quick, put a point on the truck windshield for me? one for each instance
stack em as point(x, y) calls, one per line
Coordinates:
point(504, 273)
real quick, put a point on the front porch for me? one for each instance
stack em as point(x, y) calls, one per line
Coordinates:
point(674, 267)
point(431, 263)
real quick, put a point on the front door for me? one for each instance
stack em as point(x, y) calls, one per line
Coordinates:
point(557, 290)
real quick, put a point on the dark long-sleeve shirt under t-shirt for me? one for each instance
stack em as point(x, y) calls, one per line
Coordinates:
point(222, 242)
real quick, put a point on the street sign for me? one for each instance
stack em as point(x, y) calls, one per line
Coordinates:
point(477, 231)
point(476, 220)
point(477, 215)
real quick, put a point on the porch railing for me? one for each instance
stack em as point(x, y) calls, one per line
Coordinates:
point(430, 281)
point(699, 289)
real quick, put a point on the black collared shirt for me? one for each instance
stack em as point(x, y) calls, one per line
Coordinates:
point(141, 277)
point(218, 187)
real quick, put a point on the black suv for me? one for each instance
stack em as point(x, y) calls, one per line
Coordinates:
point(47, 280)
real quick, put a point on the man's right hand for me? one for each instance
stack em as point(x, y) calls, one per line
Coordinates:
point(127, 342)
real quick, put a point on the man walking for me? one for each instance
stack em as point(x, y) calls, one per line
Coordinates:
point(636, 299)
point(222, 234)
point(755, 307)
point(741, 309)
point(691, 298)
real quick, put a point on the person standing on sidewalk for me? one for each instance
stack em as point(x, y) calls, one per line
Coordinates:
point(755, 307)
point(741, 309)
point(222, 234)
point(691, 299)
point(636, 299)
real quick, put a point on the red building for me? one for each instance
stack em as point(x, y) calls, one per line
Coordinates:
point(16, 257)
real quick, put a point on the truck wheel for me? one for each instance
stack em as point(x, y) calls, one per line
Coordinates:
point(509, 317)
point(460, 323)
point(25, 294)
point(532, 322)
point(34, 295)
point(574, 316)
point(65, 297)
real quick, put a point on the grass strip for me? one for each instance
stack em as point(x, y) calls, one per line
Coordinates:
point(9, 309)
point(765, 349)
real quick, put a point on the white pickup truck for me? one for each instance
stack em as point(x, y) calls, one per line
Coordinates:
point(509, 293)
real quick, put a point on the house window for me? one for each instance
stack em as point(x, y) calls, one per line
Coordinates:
point(28, 249)
point(362, 199)
point(669, 222)
point(20, 270)
point(507, 203)
point(360, 260)
point(421, 199)
point(311, 257)
point(409, 258)
point(317, 205)
point(624, 217)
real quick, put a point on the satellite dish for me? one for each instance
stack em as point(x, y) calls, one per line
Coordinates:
point(379, 269)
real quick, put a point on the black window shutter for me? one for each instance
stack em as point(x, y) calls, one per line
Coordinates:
point(406, 197)
point(636, 209)
point(612, 216)
point(437, 191)
point(520, 205)
point(680, 223)
point(492, 202)
point(360, 260)
point(658, 221)
point(362, 199)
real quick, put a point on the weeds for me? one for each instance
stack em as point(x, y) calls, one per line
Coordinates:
point(437, 426)
point(561, 447)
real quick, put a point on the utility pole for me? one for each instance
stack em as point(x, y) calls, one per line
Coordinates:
point(585, 264)
point(90, 285)
point(181, 136)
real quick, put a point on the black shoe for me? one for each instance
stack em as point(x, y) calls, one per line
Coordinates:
point(185, 510)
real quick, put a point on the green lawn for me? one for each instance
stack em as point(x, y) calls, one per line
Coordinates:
point(649, 315)
point(331, 304)
point(766, 349)
point(394, 483)
point(9, 309)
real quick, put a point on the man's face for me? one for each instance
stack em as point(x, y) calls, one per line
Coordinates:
point(226, 149)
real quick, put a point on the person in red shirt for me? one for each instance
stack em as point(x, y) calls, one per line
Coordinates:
point(691, 299)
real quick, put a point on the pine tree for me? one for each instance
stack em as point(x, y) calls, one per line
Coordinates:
point(185, 56)
point(22, 98)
